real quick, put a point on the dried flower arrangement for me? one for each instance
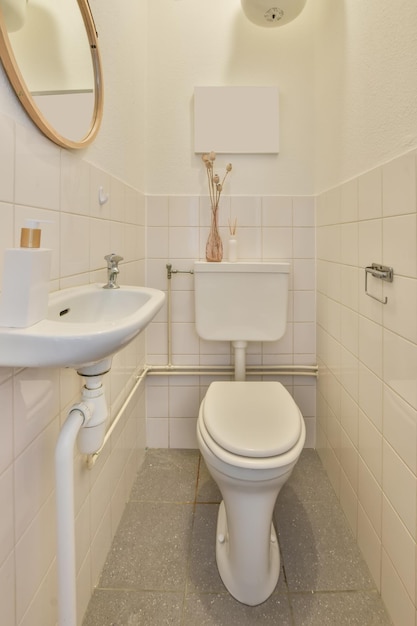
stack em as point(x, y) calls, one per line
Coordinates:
point(214, 246)
point(232, 227)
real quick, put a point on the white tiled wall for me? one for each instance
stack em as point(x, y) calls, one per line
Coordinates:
point(38, 179)
point(269, 228)
point(367, 354)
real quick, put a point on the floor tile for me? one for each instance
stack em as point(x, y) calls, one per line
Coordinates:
point(150, 550)
point(167, 475)
point(161, 569)
point(203, 574)
point(207, 489)
point(134, 608)
point(308, 481)
point(318, 549)
point(223, 610)
point(358, 608)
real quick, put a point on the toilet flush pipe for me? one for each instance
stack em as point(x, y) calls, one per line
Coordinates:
point(239, 348)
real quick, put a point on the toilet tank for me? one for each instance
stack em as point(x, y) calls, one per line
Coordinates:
point(241, 301)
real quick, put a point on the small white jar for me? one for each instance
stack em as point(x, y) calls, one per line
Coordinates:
point(232, 249)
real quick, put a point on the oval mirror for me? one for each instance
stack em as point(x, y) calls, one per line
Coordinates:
point(50, 54)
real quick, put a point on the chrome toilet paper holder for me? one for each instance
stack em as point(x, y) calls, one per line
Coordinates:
point(383, 272)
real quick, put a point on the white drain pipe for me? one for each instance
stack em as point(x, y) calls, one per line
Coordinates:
point(64, 472)
point(87, 422)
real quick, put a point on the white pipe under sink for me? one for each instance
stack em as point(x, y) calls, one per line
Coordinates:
point(64, 472)
point(87, 422)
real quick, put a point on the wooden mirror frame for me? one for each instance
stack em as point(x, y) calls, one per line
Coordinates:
point(18, 83)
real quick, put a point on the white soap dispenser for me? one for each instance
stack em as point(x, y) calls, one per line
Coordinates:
point(26, 275)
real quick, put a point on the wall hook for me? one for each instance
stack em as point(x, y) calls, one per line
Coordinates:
point(103, 197)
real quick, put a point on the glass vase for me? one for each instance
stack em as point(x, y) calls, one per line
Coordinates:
point(214, 245)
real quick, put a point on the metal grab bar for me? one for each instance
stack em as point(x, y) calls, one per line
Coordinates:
point(383, 272)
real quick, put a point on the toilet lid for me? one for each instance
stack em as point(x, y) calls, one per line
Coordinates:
point(253, 419)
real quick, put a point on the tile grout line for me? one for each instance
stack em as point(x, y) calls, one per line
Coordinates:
point(188, 564)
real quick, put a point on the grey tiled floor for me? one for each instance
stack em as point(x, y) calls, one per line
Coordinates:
point(161, 569)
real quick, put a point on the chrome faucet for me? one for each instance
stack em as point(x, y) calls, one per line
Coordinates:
point(113, 261)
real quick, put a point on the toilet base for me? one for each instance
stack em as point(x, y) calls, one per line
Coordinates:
point(247, 551)
point(246, 588)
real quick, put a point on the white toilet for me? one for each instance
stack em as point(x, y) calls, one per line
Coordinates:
point(250, 434)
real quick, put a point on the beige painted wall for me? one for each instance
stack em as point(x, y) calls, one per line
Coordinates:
point(120, 146)
point(365, 89)
point(211, 43)
point(345, 70)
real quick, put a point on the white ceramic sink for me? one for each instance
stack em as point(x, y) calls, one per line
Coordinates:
point(84, 326)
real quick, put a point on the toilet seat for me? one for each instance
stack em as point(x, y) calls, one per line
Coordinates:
point(250, 424)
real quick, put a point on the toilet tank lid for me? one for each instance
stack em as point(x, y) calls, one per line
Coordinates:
point(242, 266)
point(253, 419)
